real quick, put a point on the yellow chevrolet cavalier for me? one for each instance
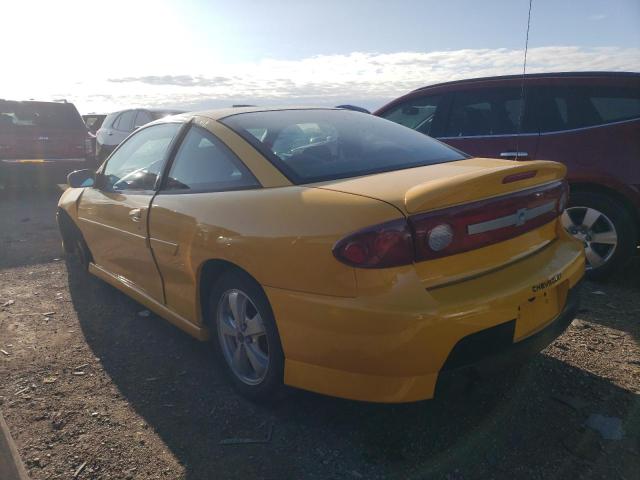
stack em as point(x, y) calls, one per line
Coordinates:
point(328, 249)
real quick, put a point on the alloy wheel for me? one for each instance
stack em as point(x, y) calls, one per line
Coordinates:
point(243, 337)
point(595, 230)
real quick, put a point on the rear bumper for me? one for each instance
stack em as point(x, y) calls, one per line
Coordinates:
point(41, 171)
point(493, 349)
point(394, 346)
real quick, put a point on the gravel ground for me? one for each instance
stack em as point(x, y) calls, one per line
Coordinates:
point(90, 389)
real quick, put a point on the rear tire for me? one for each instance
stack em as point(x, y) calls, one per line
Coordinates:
point(246, 337)
point(606, 228)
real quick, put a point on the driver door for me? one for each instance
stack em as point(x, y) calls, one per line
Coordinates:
point(113, 214)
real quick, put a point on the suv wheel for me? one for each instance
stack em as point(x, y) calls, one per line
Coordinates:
point(606, 229)
point(246, 335)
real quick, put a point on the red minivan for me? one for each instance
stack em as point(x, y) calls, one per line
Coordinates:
point(41, 142)
point(590, 121)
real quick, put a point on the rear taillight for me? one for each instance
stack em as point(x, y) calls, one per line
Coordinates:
point(479, 224)
point(385, 245)
point(88, 146)
point(452, 230)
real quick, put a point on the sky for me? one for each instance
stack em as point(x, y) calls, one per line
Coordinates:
point(197, 54)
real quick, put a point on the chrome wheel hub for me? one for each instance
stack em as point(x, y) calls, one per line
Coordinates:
point(242, 336)
point(596, 232)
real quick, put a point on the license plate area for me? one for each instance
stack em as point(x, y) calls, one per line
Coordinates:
point(539, 310)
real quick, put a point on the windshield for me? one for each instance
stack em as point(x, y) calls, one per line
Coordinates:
point(317, 145)
point(42, 115)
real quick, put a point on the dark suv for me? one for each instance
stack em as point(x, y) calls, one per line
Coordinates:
point(118, 125)
point(589, 121)
point(41, 142)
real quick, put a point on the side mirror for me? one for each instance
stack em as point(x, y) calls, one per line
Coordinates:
point(81, 178)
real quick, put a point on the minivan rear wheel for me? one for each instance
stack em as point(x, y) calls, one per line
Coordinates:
point(606, 229)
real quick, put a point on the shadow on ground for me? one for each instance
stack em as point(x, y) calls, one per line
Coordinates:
point(500, 427)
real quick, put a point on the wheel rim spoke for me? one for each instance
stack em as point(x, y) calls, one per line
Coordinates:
point(254, 326)
point(594, 259)
point(608, 238)
point(591, 216)
point(239, 360)
point(228, 329)
point(238, 306)
point(566, 220)
point(257, 359)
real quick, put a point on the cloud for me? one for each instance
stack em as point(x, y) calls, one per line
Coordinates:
point(597, 17)
point(368, 79)
point(179, 80)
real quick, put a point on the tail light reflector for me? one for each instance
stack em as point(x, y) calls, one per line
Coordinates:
point(452, 230)
point(479, 224)
point(385, 245)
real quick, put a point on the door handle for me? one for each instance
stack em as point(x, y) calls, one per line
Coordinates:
point(135, 215)
point(514, 154)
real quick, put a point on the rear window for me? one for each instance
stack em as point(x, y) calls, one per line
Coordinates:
point(41, 115)
point(316, 145)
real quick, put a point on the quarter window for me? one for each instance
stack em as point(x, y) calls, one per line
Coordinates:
point(204, 163)
point(138, 162)
point(417, 113)
point(488, 112)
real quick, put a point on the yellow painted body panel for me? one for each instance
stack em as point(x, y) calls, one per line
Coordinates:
point(258, 230)
point(378, 335)
point(389, 347)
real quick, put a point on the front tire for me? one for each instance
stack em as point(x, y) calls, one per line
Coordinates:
point(73, 244)
point(246, 337)
point(606, 228)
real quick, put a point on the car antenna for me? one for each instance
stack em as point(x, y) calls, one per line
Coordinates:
point(524, 71)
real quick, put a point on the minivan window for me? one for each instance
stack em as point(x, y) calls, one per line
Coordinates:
point(204, 164)
point(39, 115)
point(142, 118)
point(124, 122)
point(317, 145)
point(490, 111)
point(417, 113)
point(571, 107)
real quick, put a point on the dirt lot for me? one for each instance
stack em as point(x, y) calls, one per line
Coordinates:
point(90, 389)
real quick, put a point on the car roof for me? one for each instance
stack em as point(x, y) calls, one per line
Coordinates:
point(532, 75)
point(220, 113)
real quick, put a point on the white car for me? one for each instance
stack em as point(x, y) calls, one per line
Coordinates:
point(118, 125)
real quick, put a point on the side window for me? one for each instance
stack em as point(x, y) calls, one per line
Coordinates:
point(136, 164)
point(204, 163)
point(571, 107)
point(417, 113)
point(615, 104)
point(142, 118)
point(124, 122)
point(494, 111)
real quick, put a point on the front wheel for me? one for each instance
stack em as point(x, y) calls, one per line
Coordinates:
point(606, 229)
point(246, 336)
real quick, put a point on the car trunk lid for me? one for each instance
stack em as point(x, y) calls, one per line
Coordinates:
point(499, 211)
